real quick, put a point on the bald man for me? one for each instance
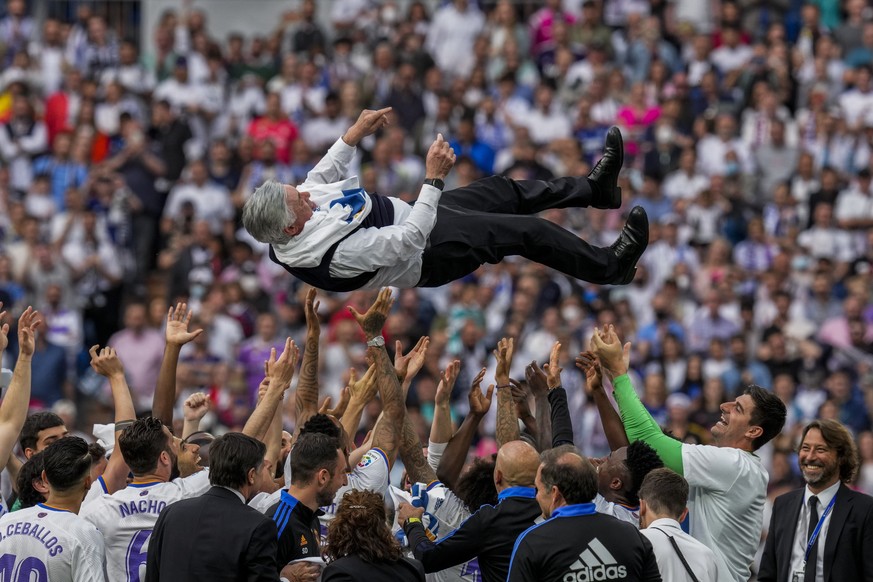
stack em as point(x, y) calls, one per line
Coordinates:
point(490, 533)
point(575, 542)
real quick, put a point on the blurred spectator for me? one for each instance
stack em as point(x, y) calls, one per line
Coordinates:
point(141, 349)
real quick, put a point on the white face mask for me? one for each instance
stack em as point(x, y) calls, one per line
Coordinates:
point(389, 14)
point(664, 134)
point(571, 313)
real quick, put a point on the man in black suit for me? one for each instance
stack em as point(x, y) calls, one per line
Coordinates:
point(217, 537)
point(823, 532)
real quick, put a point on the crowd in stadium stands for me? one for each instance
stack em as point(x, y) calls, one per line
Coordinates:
point(748, 129)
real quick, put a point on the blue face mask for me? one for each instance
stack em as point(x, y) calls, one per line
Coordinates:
point(732, 168)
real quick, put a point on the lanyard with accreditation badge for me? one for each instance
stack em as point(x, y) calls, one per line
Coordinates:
point(798, 576)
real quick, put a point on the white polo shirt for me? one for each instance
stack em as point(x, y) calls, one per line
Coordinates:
point(701, 559)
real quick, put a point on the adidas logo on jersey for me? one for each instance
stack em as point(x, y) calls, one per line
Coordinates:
point(595, 564)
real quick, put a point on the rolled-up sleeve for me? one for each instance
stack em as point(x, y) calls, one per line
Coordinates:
point(372, 248)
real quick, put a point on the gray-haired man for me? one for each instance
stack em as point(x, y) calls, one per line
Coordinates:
point(331, 233)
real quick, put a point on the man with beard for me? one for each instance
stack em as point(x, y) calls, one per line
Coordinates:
point(126, 518)
point(823, 531)
point(319, 468)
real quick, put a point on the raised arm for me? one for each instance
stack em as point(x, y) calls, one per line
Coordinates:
point(386, 435)
point(177, 336)
point(281, 372)
point(13, 409)
point(407, 367)
point(520, 396)
point(507, 419)
point(609, 417)
point(107, 363)
point(194, 409)
point(334, 166)
point(306, 399)
point(455, 455)
point(638, 423)
point(361, 392)
point(441, 428)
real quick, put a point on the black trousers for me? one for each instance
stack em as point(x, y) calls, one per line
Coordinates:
point(492, 218)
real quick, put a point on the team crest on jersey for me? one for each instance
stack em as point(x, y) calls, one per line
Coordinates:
point(41, 514)
point(368, 459)
point(143, 493)
point(303, 541)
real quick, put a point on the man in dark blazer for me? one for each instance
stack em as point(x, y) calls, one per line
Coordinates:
point(843, 548)
point(217, 537)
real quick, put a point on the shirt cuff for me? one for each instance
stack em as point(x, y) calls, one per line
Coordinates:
point(430, 195)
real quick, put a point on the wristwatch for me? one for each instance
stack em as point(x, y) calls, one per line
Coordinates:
point(435, 182)
point(376, 342)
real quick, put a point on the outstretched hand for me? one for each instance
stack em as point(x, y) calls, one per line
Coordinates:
point(177, 325)
point(4, 330)
point(340, 409)
point(553, 369)
point(480, 403)
point(409, 365)
point(282, 368)
point(313, 325)
point(440, 159)
point(587, 362)
point(373, 321)
point(503, 354)
point(614, 358)
point(106, 361)
point(369, 122)
point(363, 389)
point(447, 383)
point(27, 324)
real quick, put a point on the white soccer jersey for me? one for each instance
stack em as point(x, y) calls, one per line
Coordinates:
point(45, 544)
point(727, 489)
point(370, 474)
point(622, 512)
point(95, 492)
point(126, 519)
point(444, 512)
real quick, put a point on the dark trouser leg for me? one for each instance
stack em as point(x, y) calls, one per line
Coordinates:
point(502, 195)
point(462, 240)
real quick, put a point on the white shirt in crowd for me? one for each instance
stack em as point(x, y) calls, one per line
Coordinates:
point(52, 544)
point(451, 37)
point(681, 185)
point(625, 513)
point(729, 59)
point(211, 203)
point(798, 550)
point(700, 559)
point(728, 487)
point(126, 519)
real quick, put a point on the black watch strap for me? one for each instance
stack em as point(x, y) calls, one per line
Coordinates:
point(435, 182)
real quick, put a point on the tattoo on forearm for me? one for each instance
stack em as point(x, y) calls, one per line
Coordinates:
point(413, 459)
point(507, 419)
point(307, 385)
point(387, 433)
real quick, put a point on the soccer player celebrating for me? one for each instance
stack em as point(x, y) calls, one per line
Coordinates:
point(49, 541)
point(728, 482)
point(126, 518)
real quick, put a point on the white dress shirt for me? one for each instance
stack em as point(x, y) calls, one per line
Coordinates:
point(700, 559)
point(798, 550)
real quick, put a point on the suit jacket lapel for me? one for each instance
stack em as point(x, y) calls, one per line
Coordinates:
point(789, 523)
point(839, 515)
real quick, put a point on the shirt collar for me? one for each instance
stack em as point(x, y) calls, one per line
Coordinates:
point(573, 510)
point(237, 493)
point(666, 522)
point(824, 497)
point(525, 492)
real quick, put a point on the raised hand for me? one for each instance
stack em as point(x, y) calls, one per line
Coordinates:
point(409, 365)
point(447, 383)
point(536, 379)
point(106, 361)
point(519, 396)
point(440, 159)
point(177, 325)
point(480, 403)
point(313, 325)
point(614, 358)
point(27, 324)
point(503, 354)
point(265, 383)
point(4, 330)
point(587, 362)
point(340, 409)
point(553, 369)
point(282, 368)
point(195, 407)
point(373, 321)
point(369, 122)
point(364, 389)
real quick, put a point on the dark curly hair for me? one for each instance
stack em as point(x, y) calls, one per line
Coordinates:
point(30, 472)
point(641, 458)
point(321, 424)
point(475, 487)
point(361, 529)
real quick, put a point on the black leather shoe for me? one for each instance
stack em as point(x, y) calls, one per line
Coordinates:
point(630, 245)
point(607, 194)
